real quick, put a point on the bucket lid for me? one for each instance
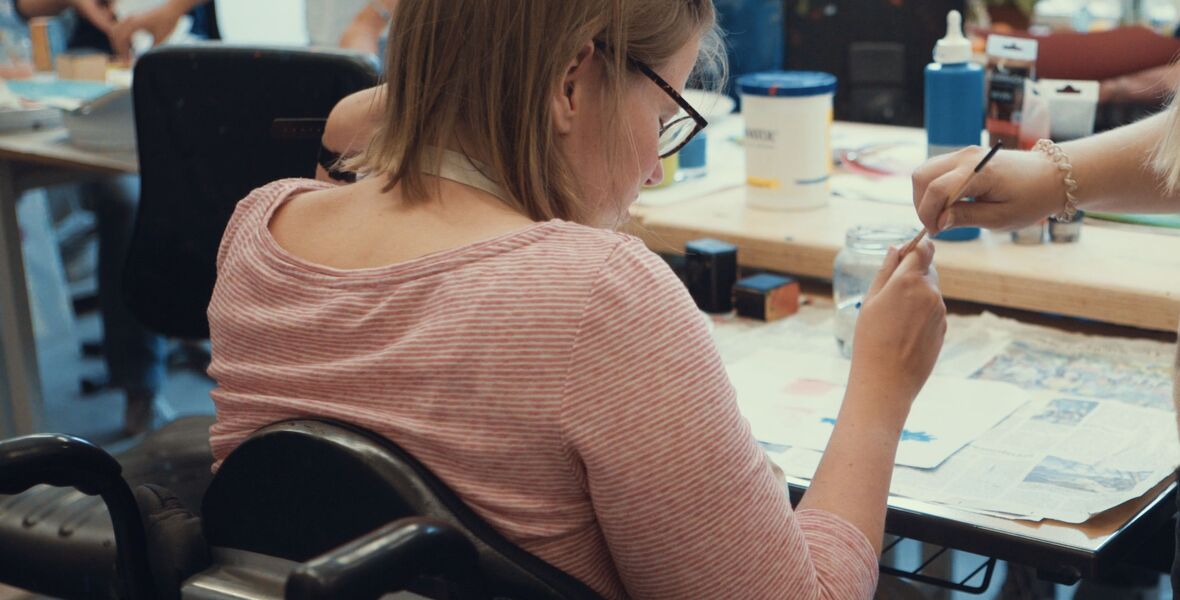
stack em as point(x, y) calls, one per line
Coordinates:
point(787, 83)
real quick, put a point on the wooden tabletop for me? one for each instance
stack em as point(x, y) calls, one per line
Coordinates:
point(1114, 275)
point(52, 148)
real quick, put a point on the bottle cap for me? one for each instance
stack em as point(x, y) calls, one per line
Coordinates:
point(954, 48)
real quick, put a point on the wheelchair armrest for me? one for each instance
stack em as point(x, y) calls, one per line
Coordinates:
point(65, 461)
point(385, 560)
point(57, 460)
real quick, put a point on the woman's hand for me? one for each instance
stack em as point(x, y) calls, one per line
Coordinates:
point(97, 12)
point(160, 22)
point(1014, 190)
point(899, 331)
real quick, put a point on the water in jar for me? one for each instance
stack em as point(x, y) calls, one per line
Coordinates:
point(856, 267)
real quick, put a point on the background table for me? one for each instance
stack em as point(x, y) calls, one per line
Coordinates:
point(28, 161)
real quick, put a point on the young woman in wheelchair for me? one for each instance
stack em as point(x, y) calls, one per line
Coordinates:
point(471, 299)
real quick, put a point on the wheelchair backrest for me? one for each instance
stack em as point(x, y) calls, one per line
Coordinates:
point(297, 489)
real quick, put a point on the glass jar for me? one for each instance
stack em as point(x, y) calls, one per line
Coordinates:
point(856, 267)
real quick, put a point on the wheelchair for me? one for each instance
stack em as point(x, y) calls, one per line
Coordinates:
point(302, 509)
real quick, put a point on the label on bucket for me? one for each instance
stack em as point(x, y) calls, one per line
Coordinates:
point(762, 182)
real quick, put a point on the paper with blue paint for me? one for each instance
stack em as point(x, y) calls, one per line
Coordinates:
point(906, 434)
point(793, 399)
point(60, 93)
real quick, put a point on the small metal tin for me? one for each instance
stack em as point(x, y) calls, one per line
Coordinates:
point(1061, 232)
point(1031, 235)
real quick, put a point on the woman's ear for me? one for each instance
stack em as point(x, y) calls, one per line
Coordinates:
point(569, 100)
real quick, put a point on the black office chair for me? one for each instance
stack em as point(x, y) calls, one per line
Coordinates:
point(213, 123)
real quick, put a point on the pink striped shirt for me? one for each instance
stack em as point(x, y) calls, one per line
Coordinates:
point(559, 379)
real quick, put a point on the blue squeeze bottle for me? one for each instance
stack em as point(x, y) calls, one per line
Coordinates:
point(954, 103)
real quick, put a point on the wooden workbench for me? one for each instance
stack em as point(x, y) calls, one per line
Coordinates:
point(1114, 275)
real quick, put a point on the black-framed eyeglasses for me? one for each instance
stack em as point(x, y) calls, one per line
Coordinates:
point(680, 130)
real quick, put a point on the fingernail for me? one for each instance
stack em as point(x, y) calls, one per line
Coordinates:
point(946, 221)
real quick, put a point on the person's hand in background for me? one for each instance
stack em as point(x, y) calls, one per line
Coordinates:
point(159, 22)
point(1015, 189)
point(98, 12)
point(1144, 87)
point(364, 32)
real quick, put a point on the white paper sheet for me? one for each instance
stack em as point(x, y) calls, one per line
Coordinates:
point(794, 399)
point(1099, 430)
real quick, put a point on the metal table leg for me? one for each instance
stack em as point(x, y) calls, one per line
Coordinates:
point(20, 384)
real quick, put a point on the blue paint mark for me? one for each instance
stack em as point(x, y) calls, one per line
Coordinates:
point(916, 436)
point(906, 434)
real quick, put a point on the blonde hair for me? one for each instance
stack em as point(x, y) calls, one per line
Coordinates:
point(483, 73)
point(1167, 155)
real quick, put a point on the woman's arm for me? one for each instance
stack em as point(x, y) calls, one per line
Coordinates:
point(1113, 170)
point(365, 30)
point(350, 126)
point(682, 492)
point(43, 8)
point(898, 337)
point(1149, 85)
point(97, 12)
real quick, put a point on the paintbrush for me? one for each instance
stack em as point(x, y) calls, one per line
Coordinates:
point(953, 198)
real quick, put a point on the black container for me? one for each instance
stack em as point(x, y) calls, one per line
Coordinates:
point(710, 272)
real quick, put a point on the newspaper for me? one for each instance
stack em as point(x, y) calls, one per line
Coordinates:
point(1136, 372)
point(1099, 430)
point(794, 399)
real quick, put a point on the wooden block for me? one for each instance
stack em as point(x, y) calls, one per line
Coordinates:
point(766, 297)
point(42, 50)
point(65, 66)
point(89, 66)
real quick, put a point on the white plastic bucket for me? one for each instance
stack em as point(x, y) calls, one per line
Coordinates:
point(788, 118)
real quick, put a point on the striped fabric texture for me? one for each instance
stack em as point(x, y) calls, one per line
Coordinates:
point(560, 379)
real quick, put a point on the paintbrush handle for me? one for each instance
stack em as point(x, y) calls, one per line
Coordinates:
point(913, 243)
point(955, 197)
point(951, 200)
